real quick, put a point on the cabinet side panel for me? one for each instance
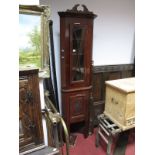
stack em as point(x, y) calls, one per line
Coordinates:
point(130, 109)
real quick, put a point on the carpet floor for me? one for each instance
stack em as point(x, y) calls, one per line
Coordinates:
point(123, 146)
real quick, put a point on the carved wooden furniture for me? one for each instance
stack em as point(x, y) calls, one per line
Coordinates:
point(76, 37)
point(120, 102)
point(30, 121)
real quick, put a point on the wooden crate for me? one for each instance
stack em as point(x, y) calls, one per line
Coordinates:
point(120, 102)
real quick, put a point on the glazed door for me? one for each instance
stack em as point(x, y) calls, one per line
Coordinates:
point(79, 54)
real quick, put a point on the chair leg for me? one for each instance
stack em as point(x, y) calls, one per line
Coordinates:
point(109, 146)
point(97, 138)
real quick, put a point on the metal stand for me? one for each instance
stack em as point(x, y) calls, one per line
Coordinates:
point(106, 131)
point(56, 126)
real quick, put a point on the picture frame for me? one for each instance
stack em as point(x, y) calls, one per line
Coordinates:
point(34, 20)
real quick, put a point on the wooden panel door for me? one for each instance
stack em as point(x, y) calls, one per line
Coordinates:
point(30, 125)
point(78, 107)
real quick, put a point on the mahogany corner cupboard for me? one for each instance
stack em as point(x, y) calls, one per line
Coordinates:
point(76, 37)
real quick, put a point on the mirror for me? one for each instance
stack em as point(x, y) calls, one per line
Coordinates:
point(34, 38)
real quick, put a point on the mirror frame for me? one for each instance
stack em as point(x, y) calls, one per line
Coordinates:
point(44, 13)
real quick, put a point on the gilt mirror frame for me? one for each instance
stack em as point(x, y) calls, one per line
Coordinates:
point(44, 13)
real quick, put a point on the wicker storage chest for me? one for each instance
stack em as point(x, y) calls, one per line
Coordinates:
point(120, 102)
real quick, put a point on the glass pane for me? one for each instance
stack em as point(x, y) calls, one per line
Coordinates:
point(78, 53)
point(29, 41)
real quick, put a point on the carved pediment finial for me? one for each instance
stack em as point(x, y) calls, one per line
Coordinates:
point(75, 9)
point(85, 8)
point(78, 10)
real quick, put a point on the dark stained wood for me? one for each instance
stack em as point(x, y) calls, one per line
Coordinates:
point(76, 93)
point(31, 132)
point(74, 12)
point(100, 75)
point(51, 83)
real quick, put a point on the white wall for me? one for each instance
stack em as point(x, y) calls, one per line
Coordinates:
point(113, 41)
point(41, 88)
point(113, 28)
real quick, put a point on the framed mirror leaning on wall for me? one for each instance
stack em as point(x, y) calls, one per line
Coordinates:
point(34, 38)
